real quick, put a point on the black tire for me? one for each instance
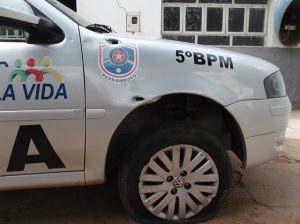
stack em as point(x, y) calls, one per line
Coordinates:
point(151, 142)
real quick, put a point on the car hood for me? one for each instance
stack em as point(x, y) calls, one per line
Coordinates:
point(166, 67)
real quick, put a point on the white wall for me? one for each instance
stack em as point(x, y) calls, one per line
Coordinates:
point(113, 13)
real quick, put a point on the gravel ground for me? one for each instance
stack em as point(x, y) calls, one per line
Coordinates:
point(269, 193)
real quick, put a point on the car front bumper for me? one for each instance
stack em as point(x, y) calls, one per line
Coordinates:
point(263, 124)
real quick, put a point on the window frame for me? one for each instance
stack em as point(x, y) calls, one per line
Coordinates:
point(218, 45)
point(184, 20)
point(264, 33)
point(168, 5)
point(225, 23)
point(227, 20)
point(223, 20)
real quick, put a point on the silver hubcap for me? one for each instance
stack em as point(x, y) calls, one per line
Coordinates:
point(178, 182)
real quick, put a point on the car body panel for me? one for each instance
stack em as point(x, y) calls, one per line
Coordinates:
point(263, 124)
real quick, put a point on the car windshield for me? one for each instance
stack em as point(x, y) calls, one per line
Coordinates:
point(70, 13)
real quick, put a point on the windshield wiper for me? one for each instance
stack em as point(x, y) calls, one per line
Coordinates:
point(100, 28)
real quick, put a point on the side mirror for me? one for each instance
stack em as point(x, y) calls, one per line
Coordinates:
point(38, 30)
point(46, 32)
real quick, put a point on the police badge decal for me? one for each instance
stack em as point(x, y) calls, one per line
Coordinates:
point(118, 62)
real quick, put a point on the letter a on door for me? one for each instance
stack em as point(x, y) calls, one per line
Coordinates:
point(19, 156)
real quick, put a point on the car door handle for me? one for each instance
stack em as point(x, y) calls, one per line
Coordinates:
point(95, 113)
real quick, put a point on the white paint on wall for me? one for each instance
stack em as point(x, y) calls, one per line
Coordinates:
point(113, 13)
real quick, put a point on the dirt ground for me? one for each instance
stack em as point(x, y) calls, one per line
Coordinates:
point(269, 193)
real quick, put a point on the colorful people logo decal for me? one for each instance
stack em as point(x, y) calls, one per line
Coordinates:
point(18, 72)
point(31, 63)
point(47, 62)
point(39, 74)
point(118, 64)
point(39, 90)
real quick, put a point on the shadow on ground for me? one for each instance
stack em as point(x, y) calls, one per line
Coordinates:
point(96, 204)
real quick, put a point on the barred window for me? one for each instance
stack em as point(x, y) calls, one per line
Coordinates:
point(216, 22)
point(193, 19)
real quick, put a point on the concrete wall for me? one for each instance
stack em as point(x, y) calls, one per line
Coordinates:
point(288, 60)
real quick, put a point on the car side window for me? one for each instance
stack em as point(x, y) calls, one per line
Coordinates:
point(11, 35)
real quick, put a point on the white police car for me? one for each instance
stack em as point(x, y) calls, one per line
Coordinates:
point(78, 102)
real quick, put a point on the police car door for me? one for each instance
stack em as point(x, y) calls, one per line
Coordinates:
point(42, 118)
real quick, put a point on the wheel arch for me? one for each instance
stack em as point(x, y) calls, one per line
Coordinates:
point(175, 106)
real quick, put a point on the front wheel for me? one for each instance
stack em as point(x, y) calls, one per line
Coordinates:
point(175, 173)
